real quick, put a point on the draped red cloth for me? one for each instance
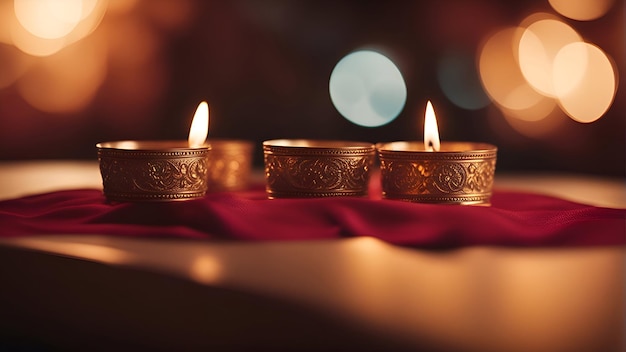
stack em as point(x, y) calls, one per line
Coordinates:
point(513, 219)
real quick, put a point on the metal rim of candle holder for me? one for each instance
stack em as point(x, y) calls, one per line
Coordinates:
point(145, 173)
point(316, 168)
point(444, 177)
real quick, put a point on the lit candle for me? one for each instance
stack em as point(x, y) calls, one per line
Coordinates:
point(199, 129)
point(157, 170)
point(431, 131)
point(230, 161)
point(437, 172)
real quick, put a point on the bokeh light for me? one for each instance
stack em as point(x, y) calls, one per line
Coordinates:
point(130, 69)
point(538, 45)
point(582, 10)
point(34, 45)
point(522, 107)
point(48, 19)
point(502, 77)
point(498, 68)
point(14, 64)
point(459, 81)
point(65, 82)
point(594, 88)
point(44, 28)
point(532, 70)
point(367, 88)
point(206, 269)
point(551, 118)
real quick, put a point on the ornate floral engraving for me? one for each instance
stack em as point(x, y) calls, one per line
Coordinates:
point(449, 177)
point(172, 175)
point(480, 176)
point(153, 178)
point(403, 177)
point(438, 181)
point(317, 175)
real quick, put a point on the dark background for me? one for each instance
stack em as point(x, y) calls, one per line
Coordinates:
point(264, 67)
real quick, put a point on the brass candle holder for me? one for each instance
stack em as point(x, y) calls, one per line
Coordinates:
point(153, 170)
point(314, 168)
point(459, 173)
point(230, 164)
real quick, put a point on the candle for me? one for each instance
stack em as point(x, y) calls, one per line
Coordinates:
point(230, 164)
point(157, 170)
point(437, 172)
point(300, 168)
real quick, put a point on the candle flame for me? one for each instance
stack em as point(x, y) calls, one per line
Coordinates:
point(431, 132)
point(199, 126)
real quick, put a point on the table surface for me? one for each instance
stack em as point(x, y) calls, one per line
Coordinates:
point(69, 290)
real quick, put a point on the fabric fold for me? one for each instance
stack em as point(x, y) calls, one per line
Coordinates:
point(513, 219)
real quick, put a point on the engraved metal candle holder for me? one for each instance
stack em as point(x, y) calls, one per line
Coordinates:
point(312, 168)
point(459, 173)
point(230, 164)
point(152, 170)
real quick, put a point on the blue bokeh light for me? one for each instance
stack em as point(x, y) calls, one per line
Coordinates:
point(367, 88)
point(458, 78)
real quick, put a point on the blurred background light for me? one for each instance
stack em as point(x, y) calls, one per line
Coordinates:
point(500, 72)
point(43, 28)
point(538, 45)
point(532, 70)
point(367, 88)
point(582, 10)
point(14, 64)
point(49, 19)
point(525, 75)
point(34, 45)
point(459, 80)
point(593, 90)
point(65, 82)
point(519, 104)
point(548, 122)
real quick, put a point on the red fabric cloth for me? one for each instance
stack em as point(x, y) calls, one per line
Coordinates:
point(514, 219)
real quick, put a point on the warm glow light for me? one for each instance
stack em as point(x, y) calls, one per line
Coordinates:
point(128, 145)
point(13, 65)
point(498, 60)
point(92, 14)
point(67, 81)
point(595, 83)
point(199, 125)
point(121, 7)
point(33, 45)
point(206, 269)
point(582, 10)
point(49, 19)
point(529, 70)
point(88, 6)
point(515, 98)
point(551, 119)
point(31, 42)
point(95, 252)
point(538, 46)
point(540, 108)
point(431, 131)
